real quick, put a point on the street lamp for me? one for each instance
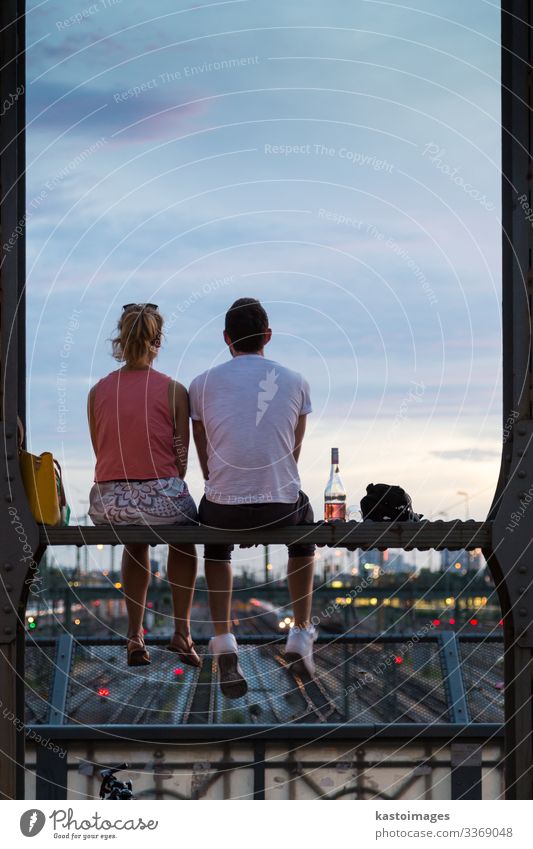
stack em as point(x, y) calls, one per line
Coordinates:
point(466, 497)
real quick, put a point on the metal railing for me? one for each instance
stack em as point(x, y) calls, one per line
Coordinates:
point(438, 672)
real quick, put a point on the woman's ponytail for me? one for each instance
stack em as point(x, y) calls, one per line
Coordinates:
point(139, 332)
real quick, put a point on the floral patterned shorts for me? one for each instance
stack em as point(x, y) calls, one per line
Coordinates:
point(165, 501)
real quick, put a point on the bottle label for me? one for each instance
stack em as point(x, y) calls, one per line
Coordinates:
point(335, 512)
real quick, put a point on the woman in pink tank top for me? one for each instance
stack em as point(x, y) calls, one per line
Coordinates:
point(139, 424)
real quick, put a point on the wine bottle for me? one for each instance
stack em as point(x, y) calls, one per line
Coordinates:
point(335, 494)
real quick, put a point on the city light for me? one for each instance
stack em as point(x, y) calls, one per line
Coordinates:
point(118, 585)
point(100, 547)
point(77, 621)
point(178, 670)
point(103, 692)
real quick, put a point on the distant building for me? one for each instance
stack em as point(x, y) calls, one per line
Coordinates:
point(462, 561)
point(371, 559)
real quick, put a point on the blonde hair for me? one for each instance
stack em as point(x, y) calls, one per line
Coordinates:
point(139, 332)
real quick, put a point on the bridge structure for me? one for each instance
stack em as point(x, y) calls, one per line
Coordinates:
point(508, 555)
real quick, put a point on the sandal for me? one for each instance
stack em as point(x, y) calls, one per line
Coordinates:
point(185, 649)
point(137, 652)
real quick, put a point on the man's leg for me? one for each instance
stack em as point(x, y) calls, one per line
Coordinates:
point(223, 646)
point(219, 578)
point(299, 649)
point(300, 579)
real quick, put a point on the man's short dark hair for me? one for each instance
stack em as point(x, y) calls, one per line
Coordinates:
point(246, 325)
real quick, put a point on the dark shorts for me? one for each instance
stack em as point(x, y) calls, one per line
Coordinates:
point(256, 516)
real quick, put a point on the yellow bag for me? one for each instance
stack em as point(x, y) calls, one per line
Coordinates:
point(43, 482)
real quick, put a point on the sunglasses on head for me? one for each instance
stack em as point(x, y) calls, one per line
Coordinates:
point(127, 307)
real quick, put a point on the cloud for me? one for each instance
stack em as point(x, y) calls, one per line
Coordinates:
point(54, 108)
point(469, 455)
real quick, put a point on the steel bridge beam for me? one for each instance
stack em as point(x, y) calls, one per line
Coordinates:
point(19, 554)
point(505, 541)
point(422, 536)
point(510, 556)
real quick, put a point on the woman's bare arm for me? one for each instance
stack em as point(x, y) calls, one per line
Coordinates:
point(179, 405)
point(91, 418)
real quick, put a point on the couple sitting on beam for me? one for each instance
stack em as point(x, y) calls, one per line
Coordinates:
point(248, 421)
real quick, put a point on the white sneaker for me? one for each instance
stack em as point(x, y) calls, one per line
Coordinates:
point(299, 649)
point(226, 653)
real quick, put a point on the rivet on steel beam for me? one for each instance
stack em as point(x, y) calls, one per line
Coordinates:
point(521, 473)
point(10, 478)
point(8, 567)
point(9, 456)
point(522, 590)
point(7, 608)
point(8, 588)
point(9, 434)
point(8, 630)
point(9, 498)
point(523, 611)
point(522, 568)
point(521, 430)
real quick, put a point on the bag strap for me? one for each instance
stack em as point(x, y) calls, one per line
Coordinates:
point(62, 498)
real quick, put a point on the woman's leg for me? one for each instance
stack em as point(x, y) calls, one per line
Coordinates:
point(181, 570)
point(135, 580)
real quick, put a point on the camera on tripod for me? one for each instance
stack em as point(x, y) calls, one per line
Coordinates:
point(112, 787)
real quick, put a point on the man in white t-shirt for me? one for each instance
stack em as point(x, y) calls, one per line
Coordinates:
point(249, 416)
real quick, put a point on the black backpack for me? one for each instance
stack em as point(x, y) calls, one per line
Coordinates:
point(386, 503)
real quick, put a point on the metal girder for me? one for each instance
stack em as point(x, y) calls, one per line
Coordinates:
point(19, 554)
point(510, 557)
point(505, 539)
point(423, 536)
point(453, 677)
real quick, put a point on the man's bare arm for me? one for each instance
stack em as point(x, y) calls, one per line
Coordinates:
point(200, 440)
point(299, 434)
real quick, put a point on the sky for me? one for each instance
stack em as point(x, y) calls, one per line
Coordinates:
point(340, 161)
